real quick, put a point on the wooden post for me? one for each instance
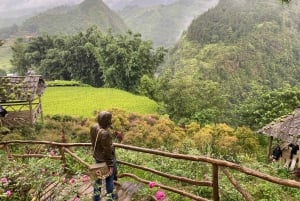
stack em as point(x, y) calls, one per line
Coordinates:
point(269, 148)
point(41, 109)
point(30, 113)
point(63, 157)
point(62, 150)
point(237, 186)
point(8, 152)
point(215, 183)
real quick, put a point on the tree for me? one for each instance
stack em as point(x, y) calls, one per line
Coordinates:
point(19, 61)
point(126, 59)
point(37, 48)
point(187, 96)
point(148, 87)
point(263, 107)
point(92, 57)
point(82, 62)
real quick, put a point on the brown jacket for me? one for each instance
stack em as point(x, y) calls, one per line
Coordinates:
point(104, 151)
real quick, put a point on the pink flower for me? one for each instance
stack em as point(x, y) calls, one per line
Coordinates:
point(65, 180)
point(4, 180)
point(85, 178)
point(76, 199)
point(160, 195)
point(8, 193)
point(152, 184)
point(52, 153)
point(72, 181)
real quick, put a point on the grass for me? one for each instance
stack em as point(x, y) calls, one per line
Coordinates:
point(84, 101)
point(5, 56)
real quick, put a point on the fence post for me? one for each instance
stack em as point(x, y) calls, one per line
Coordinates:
point(216, 183)
point(62, 150)
point(8, 152)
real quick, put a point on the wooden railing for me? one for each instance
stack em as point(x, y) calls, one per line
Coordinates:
point(216, 167)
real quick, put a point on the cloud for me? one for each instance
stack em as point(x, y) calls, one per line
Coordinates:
point(6, 5)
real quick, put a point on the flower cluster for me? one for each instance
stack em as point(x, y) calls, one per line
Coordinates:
point(159, 195)
point(4, 185)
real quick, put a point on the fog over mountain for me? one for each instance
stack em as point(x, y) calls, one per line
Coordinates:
point(17, 8)
point(120, 4)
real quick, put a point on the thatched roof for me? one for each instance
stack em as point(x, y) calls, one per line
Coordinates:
point(21, 88)
point(286, 128)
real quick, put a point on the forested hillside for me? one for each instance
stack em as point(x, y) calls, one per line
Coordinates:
point(163, 23)
point(236, 48)
point(238, 63)
point(69, 20)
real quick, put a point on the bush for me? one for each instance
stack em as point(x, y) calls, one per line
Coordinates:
point(22, 180)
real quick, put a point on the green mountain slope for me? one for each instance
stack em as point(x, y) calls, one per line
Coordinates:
point(72, 19)
point(240, 44)
point(163, 24)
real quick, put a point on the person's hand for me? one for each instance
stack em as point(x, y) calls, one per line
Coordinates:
point(111, 170)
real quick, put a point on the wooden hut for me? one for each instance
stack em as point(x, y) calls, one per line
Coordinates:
point(285, 128)
point(21, 97)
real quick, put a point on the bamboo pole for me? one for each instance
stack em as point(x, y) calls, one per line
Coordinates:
point(58, 144)
point(76, 157)
point(30, 113)
point(36, 156)
point(183, 179)
point(269, 148)
point(215, 182)
point(8, 152)
point(63, 158)
point(237, 186)
point(41, 108)
point(248, 171)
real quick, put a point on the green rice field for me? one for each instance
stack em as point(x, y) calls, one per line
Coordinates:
point(84, 101)
point(5, 56)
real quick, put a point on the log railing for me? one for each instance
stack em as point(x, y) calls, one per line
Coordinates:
point(216, 165)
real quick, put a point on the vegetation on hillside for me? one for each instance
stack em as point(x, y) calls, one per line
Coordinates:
point(239, 145)
point(239, 46)
point(68, 20)
point(227, 54)
point(234, 75)
point(92, 57)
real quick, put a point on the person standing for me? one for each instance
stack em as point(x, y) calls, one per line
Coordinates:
point(104, 152)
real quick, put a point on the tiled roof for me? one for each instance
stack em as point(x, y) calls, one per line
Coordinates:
point(21, 88)
point(286, 128)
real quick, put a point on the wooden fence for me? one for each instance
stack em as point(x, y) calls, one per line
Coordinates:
point(217, 166)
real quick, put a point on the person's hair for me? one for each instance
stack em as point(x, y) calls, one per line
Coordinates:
point(104, 119)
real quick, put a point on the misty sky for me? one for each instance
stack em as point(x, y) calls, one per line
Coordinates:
point(24, 4)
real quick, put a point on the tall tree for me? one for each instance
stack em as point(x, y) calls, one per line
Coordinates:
point(127, 58)
point(262, 107)
point(93, 57)
point(37, 48)
point(19, 61)
point(189, 97)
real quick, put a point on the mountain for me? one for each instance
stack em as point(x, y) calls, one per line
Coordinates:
point(242, 45)
point(69, 19)
point(121, 4)
point(163, 21)
point(17, 11)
